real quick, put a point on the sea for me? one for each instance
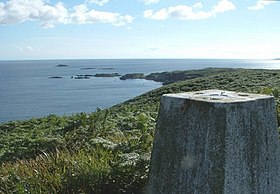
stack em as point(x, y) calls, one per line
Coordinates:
point(27, 91)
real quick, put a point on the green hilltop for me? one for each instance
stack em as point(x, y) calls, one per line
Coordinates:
point(107, 151)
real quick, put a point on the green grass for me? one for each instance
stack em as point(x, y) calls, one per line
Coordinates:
point(103, 152)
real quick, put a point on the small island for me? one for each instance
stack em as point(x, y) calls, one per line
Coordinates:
point(99, 68)
point(62, 65)
point(87, 68)
point(88, 76)
point(81, 77)
point(55, 77)
point(105, 68)
point(133, 76)
point(107, 75)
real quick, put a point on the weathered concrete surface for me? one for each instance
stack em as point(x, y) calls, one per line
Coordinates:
point(216, 142)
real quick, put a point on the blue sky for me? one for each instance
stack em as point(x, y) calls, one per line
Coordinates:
point(48, 29)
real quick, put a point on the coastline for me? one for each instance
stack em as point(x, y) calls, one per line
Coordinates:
point(27, 91)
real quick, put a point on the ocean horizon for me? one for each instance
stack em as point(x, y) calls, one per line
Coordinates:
point(26, 90)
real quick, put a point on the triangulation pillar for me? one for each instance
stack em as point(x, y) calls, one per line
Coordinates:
point(216, 142)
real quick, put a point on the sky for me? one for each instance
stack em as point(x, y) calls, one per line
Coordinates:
point(113, 29)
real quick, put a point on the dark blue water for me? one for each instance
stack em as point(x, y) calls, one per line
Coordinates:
point(26, 90)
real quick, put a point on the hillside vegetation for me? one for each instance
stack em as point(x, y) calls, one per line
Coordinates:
point(176, 76)
point(103, 152)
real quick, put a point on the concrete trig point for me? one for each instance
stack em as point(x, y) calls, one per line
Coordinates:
point(216, 142)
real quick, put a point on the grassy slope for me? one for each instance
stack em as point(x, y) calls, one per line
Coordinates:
point(103, 152)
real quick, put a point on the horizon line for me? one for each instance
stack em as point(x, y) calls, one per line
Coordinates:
point(136, 58)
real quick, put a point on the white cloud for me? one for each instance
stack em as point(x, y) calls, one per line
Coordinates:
point(25, 48)
point(18, 11)
point(153, 49)
point(20, 48)
point(99, 2)
point(52, 15)
point(30, 48)
point(82, 16)
point(223, 6)
point(148, 2)
point(2, 13)
point(184, 12)
point(260, 5)
point(148, 13)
